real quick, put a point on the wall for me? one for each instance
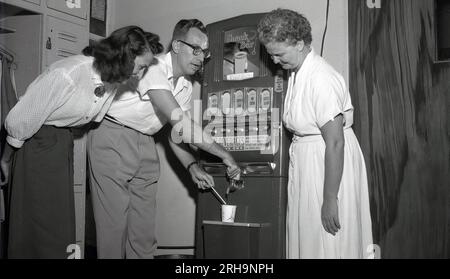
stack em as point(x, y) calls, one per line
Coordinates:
point(176, 201)
point(402, 100)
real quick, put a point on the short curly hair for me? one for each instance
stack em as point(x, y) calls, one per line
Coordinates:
point(283, 25)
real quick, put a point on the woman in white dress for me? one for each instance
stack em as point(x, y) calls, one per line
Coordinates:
point(328, 214)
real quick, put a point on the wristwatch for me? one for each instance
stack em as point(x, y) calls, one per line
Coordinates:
point(191, 164)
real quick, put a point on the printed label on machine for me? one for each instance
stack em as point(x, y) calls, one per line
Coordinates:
point(240, 54)
point(243, 122)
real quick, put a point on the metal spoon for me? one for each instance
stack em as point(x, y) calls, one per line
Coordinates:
point(218, 196)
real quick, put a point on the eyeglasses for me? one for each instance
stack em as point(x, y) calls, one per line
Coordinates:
point(196, 50)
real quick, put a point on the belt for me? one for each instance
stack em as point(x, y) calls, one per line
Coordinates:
point(313, 138)
point(116, 122)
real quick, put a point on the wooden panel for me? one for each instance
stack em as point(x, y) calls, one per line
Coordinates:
point(402, 99)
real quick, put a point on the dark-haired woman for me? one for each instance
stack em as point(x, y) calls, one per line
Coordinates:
point(71, 92)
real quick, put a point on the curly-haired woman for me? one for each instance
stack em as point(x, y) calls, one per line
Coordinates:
point(328, 213)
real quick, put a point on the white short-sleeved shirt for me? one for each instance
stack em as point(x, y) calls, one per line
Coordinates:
point(316, 95)
point(62, 96)
point(134, 109)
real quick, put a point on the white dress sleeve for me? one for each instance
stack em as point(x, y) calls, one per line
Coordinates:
point(328, 99)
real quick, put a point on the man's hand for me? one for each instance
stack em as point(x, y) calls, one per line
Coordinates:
point(233, 169)
point(200, 177)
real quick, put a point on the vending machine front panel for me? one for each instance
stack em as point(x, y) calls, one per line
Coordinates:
point(242, 98)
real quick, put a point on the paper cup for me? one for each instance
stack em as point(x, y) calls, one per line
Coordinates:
point(228, 213)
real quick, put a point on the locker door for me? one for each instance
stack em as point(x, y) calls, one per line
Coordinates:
point(64, 39)
point(78, 8)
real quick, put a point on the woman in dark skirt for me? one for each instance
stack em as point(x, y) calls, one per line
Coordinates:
point(39, 149)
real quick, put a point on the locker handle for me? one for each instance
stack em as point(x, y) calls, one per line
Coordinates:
point(48, 44)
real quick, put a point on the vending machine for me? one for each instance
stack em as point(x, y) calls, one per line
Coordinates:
point(242, 103)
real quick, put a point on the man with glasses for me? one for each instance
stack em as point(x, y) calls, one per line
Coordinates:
point(123, 162)
point(197, 50)
point(189, 48)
